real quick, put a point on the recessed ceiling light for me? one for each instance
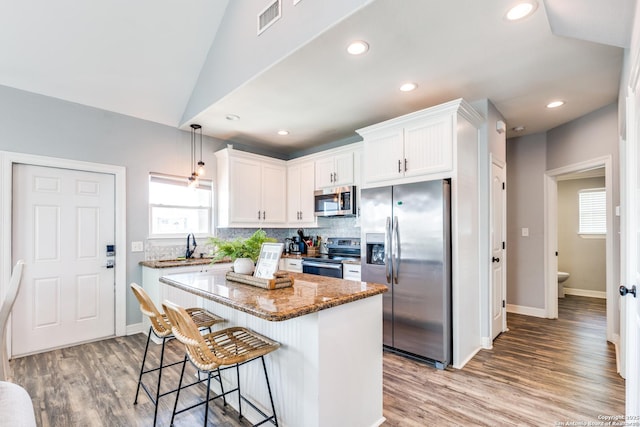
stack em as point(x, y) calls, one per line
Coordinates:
point(233, 117)
point(518, 128)
point(408, 87)
point(555, 104)
point(283, 132)
point(358, 47)
point(521, 10)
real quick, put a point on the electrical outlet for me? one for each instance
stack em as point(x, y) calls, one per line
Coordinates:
point(137, 246)
point(525, 232)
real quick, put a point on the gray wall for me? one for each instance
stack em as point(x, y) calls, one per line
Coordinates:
point(36, 124)
point(528, 158)
point(583, 258)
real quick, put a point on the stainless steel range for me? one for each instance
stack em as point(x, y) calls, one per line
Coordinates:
point(339, 249)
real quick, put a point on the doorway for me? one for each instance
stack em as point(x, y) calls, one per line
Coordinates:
point(551, 239)
point(7, 162)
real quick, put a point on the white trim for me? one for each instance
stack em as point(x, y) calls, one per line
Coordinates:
point(487, 343)
point(585, 293)
point(136, 328)
point(527, 311)
point(8, 159)
point(465, 361)
point(550, 234)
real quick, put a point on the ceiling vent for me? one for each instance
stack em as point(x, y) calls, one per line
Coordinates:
point(269, 15)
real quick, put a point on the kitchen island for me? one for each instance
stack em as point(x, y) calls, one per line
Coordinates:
point(328, 370)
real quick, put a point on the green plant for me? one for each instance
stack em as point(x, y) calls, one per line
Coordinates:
point(241, 247)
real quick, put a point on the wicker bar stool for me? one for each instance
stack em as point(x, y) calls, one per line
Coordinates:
point(214, 352)
point(161, 328)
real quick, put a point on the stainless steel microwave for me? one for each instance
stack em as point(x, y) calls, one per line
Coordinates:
point(339, 201)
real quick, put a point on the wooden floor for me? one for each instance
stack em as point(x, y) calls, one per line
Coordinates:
point(539, 373)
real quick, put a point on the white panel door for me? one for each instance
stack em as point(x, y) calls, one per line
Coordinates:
point(62, 221)
point(498, 261)
point(343, 164)
point(630, 304)
point(245, 188)
point(383, 156)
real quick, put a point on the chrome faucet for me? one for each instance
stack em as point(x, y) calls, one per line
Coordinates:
point(191, 239)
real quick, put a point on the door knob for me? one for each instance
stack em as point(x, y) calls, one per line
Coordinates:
point(494, 259)
point(624, 290)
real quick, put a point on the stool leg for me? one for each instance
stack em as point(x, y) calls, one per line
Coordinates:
point(266, 377)
point(144, 358)
point(175, 405)
point(239, 393)
point(206, 405)
point(224, 397)
point(155, 413)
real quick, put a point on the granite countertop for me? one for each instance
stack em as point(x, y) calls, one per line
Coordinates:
point(169, 263)
point(309, 293)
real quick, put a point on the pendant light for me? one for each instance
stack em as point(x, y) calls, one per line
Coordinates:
point(200, 169)
point(193, 178)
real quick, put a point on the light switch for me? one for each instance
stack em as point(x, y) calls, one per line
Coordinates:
point(525, 232)
point(137, 246)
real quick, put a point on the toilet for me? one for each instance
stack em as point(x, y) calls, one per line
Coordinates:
point(562, 276)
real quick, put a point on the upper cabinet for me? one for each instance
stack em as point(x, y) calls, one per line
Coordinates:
point(300, 187)
point(415, 146)
point(335, 170)
point(251, 190)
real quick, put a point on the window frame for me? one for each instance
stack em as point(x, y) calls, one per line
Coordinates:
point(180, 181)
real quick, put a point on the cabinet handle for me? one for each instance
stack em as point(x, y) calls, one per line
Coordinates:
point(335, 177)
point(399, 163)
point(405, 164)
point(258, 215)
point(264, 215)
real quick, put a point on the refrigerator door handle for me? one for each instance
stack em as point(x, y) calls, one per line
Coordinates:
point(387, 250)
point(396, 250)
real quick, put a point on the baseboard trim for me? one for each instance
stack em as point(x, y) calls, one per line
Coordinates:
point(585, 293)
point(487, 343)
point(135, 328)
point(471, 356)
point(527, 311)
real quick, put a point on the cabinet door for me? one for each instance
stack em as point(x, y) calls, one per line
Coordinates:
point(324, 170)
point(383, 156)
point(300, 187)
point(293, 193)
point(245, 191)
point(343, 169)
point(428, 147)
point(274, 194)
point(307, 203)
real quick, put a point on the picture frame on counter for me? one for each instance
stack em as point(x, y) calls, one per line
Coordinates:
point(269, 260)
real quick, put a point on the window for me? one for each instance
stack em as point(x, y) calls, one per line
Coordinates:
point(175, 209)
point(592, 211)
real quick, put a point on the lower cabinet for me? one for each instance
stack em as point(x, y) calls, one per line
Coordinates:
point(351, 272)
point(292, 264)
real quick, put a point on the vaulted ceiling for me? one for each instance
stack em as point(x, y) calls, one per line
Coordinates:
point(144, 59)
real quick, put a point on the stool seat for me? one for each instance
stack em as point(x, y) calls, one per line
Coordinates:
point(161, 327)
point(214, 351)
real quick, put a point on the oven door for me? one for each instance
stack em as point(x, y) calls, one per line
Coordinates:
point(322, 268)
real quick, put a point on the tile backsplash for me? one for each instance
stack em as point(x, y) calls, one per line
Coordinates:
point(327, 227)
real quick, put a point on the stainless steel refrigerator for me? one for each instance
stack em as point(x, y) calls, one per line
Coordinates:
point(407, 246)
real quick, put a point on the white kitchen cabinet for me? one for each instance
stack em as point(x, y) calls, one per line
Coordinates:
point(251, 190)
point(409, 148)
point(351, 271)
point(335, 170)
point(300, 187)
point(293, 264)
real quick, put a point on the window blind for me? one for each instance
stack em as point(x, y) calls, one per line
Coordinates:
point(593, 212)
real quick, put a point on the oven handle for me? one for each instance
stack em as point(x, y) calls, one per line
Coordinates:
point(322, 265)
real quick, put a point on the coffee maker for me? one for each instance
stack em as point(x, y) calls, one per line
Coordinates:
point(294, 246)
